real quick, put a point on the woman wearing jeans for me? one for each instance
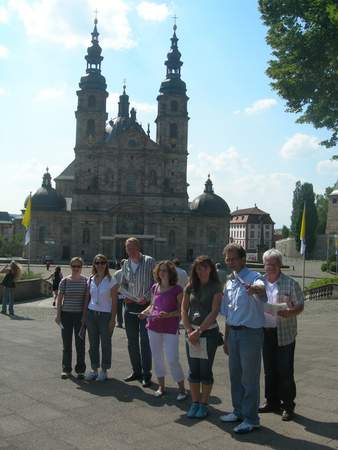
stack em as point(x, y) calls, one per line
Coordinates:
point(12, 272)
point(99, 313)
point(70, 301)
point(163, 324)
point(200, 307)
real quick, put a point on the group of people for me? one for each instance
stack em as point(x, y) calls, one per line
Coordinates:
point(260, 319)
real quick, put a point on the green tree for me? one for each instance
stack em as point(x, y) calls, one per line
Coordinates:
point(11, 247)
point(285, 232)
point(303, 193)
point(322, 203)
point(304, 37)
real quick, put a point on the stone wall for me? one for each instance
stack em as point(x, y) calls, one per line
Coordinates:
point(288, 248)
point(30, 289)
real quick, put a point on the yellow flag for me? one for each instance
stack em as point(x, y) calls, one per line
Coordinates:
point(26, 220)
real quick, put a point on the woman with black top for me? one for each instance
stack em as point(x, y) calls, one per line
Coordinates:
point(200, 307)
point(56, 278)
point(12, 272)
point(70, 302)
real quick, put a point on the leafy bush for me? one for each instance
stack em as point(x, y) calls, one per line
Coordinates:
point(332, 266)
point(322, 282)
point(324, 267)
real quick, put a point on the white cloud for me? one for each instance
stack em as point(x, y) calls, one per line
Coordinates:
point(53, 21)
point(49, 93)
point(2, 92)
point(299, 145)
point(240, 183)
point(23, 176)
point(156, 12)
point(327, 166)
point(260, 105)
point(4, 52)
point(4, 16)
point(143, 107)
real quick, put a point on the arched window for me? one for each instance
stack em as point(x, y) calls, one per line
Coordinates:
point(173, 130)
point(91, 101)
point(131, 184)
point(153, 178)
point(212, 237)
point(174, 106)
point(90, 127)
point(85, 236)
point(42, 234)
point(172, 238)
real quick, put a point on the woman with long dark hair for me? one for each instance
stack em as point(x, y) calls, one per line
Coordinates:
point(99, 313)
point(56, 277)
point(200, 307)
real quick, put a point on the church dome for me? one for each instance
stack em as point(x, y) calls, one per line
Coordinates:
point(210, 204)
point(47, 198)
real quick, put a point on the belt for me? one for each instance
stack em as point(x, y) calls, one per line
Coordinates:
point(238, 327)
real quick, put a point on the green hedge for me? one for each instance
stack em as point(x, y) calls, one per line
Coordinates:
point(322, 282)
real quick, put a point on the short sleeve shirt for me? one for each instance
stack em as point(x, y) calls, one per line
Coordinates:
point(200, 301)
point(74, 293)
point(100, 295)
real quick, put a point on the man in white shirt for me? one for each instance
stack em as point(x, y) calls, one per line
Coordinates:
point(285, 302)
point(182, 276)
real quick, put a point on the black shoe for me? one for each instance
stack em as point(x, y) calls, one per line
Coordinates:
point(132, 377)
point(146, 382)
point(268, 407)
point(287, 415)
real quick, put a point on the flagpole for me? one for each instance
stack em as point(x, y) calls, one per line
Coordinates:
point(29, 251)
point(303, 241)
point(303, 284)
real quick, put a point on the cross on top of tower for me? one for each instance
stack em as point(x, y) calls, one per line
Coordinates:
point(175, 25)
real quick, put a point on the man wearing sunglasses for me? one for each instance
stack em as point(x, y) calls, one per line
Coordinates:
point(136, 280)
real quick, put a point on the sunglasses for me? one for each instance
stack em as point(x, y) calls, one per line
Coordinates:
point(100, 263)
point(75, 267)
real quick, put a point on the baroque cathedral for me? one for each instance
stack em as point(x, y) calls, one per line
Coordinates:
point(122, 183)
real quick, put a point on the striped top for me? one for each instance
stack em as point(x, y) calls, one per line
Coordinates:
point(138, 283)
point(73, 294)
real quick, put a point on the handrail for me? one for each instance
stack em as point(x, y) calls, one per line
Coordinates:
point(326, 292)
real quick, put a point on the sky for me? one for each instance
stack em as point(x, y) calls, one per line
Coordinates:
point(239, 131)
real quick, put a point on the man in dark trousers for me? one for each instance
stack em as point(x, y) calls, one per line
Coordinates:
point(136, 282)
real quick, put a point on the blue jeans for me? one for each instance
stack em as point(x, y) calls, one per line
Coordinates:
point(138, 341)
point(245, 347)
point(8, 299)
point(98, 332)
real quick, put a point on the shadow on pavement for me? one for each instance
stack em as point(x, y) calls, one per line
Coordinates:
point(16, 317)
point(326, 429)
point(127, 392)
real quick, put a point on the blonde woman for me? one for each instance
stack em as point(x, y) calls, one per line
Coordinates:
point(12, 272)
point(99, 314)
point(70, 302)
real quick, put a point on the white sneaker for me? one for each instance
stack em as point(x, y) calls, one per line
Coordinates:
point(91, 376)
point(181, 396)
point(245, 427)
point(227, 418)
point(102, 376)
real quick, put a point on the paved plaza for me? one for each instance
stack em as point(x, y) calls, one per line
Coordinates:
point(38, 410)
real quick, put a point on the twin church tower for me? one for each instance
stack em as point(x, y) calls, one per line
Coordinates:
point(122, 183)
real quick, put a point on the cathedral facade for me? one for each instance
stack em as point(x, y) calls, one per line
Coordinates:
point(122, 183)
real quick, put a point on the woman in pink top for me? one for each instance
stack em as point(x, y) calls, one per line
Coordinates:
point(163, 324)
